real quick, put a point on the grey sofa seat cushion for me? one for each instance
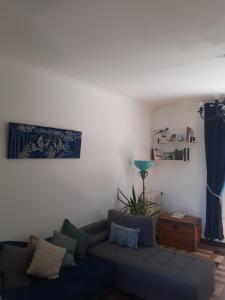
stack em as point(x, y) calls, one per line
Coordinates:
point(146, 225)
point(159, 273)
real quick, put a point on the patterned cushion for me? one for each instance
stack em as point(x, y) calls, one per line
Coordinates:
point(124, 236)
point(47, 260)
point(69, 244)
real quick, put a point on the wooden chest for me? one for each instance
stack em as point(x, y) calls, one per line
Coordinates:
point(182, 233)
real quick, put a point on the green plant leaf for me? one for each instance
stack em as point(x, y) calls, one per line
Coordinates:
point(136, 205)
point(119, 191)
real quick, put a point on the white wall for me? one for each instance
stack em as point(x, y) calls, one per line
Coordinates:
point(183, 183)
point(36, 195)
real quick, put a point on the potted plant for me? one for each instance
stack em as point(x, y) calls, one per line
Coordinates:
point(137, 205)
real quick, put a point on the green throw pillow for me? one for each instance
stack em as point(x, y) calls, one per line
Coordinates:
point(81, 237)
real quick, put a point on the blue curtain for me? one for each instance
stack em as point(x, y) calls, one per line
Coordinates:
point(215, 161)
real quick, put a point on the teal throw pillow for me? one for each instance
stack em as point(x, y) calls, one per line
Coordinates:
point(124, 236)
point(80, 236)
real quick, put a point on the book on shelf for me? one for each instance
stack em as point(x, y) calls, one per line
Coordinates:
point(186, 154)
point(178, 214)
point(190, 135)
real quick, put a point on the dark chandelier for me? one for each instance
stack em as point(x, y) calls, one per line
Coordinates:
point(219, 110)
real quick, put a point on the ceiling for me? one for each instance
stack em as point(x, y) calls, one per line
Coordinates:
point(152, 50)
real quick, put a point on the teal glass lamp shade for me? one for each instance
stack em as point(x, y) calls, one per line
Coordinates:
point(143, 165)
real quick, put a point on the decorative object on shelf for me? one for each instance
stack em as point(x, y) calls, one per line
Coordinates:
point(139, 205)
point(219, 110)
point(31, 141)
point(162, 135)
point(162, 132)
point(190, 135)
point(180, 138)
point(173, 138)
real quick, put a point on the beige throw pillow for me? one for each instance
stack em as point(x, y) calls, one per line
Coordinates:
point(47, 260)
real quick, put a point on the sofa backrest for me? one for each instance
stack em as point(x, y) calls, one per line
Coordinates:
point(97, 231)
point(95, 228)
point(145, 224)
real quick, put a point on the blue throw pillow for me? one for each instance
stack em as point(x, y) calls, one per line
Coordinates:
point(146, 225)
point(124, 236)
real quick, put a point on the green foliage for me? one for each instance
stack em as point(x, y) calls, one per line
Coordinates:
point(137, 205)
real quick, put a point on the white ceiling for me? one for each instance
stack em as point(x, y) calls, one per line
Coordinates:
point(147, 49)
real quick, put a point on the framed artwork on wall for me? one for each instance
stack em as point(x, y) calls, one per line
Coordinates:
point(31, 141)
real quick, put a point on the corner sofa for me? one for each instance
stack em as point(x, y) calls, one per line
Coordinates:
point(153, 272)
point(150, 272)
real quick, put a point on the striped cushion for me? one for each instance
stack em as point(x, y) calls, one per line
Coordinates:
point(64, 241)
point(124, 236)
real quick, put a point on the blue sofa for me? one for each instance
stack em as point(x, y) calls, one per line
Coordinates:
point(92, 278)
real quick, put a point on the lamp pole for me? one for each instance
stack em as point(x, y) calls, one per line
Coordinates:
point(143, 175)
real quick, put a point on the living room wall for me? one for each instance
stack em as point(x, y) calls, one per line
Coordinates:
point(183, 183)
point(36, 195)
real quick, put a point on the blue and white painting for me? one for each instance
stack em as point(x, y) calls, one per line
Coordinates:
point(31, 141)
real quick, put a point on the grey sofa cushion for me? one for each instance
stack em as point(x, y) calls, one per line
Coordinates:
point(15, 261)
point(146, 225)
point(95, 228)
point(159, 273)
point(98, 238)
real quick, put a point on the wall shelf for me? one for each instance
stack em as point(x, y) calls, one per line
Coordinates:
point(176, 154)
point(177, 143)
point(173, 146)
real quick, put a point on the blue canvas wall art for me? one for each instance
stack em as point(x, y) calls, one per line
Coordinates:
point(31, 141)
